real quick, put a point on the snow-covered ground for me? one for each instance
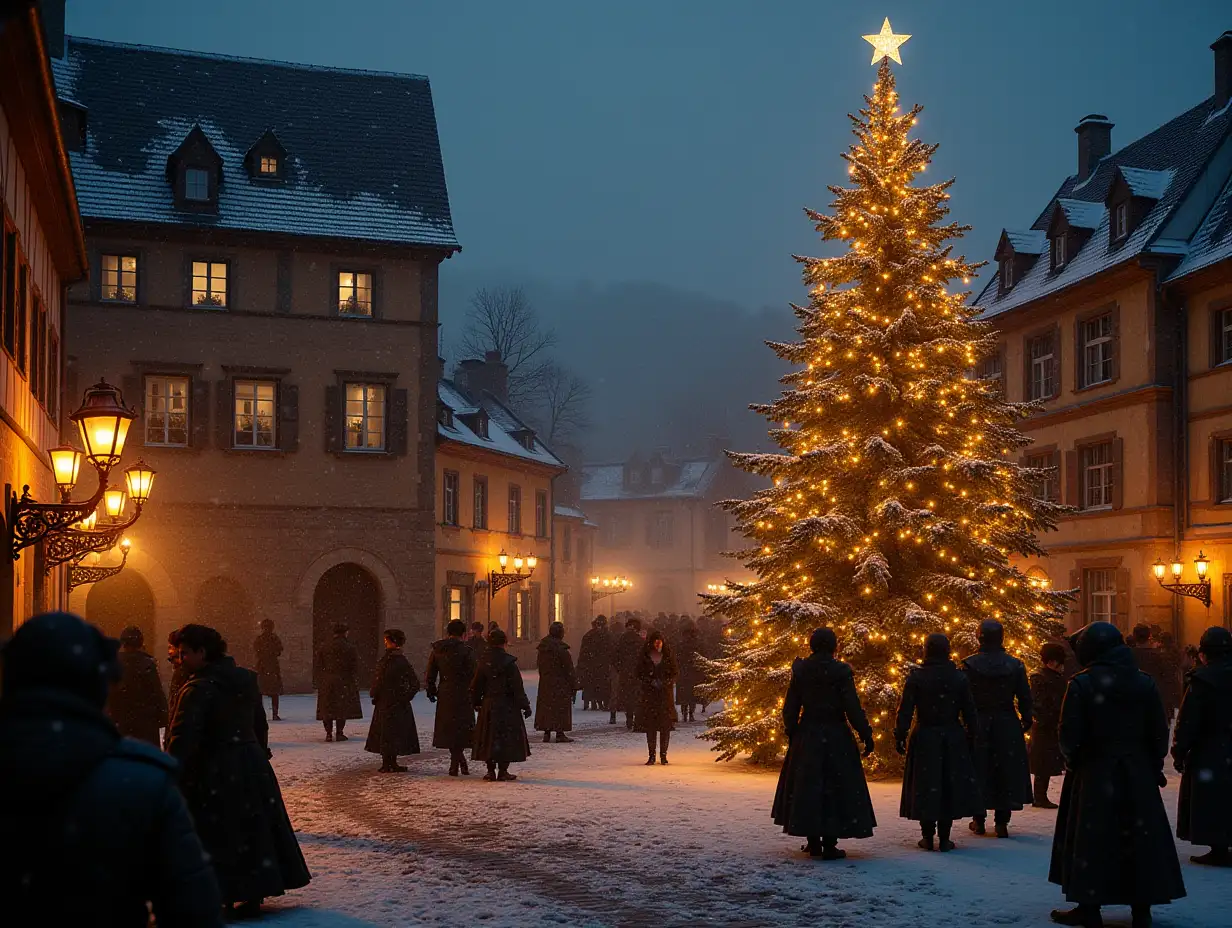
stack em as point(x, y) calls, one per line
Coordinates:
point(590, 836)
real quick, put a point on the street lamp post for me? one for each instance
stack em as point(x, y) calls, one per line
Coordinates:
point(1200, 591)
point(603, 587)
point(498, 580)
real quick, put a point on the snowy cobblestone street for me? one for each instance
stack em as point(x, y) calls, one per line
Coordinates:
point(590, 836)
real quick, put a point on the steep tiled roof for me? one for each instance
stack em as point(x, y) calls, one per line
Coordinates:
point(1213, 240)
point(501, 423)
point(1182, 147)
point(607, 482)
point(364, 160)
point(1030, 242)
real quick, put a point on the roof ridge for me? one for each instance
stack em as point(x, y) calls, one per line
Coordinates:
point(243, 59)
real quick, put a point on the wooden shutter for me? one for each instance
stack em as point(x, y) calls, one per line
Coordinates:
point(199, 436)
point(1054, 461)
point(333, 419)
point(224, 415)
point(1118, 473)
point(444, 607)
point(534, 604)
point(1026, 368)
point(1077, 605)
point(1215, 484)
point(288, 416)
point(398, 424)
point(1122, 598)
point(1080, 380)
point(1072, 484)
point(1216, 329)
point(1116, 342)
point(1057, 357)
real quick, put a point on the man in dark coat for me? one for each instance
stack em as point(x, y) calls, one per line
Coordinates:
point(1113, 843)
point(179, 676)
point(451, 667)
point(137, 703)
point(939, 783)
point(615, 632)
point(628, 654)
point(822, 794)
point(337, 667)
point(1147, 655)
point(1202, 752)
point(594, 665)
point(476, 640)
point(499, 695)
point(268, 648)
point(1047, 692)
point(394, 685)
point(690, 658)
point(998, 681)
point(94, 829)
point(1171, 686)
point(557, 684)
point(220, 738)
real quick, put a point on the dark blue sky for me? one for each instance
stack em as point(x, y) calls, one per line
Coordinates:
point(677, 141)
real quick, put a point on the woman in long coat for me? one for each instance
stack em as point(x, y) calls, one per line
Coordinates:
point(1047, 691)
point(939, 782)
point(557, 684)
point(616, 632)
point(451, 667)
point(594, 665)
point(220, 738)
point(1113, 843)
point(1202, 752)
point(627, 658)
point(656, 712)
point(497, 691)
point(268, 648)
point(394, 685)
point(337, 667)
point(137, 703)
point(690, 671)
point(822, 794)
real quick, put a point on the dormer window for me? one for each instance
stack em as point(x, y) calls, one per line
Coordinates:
point(1007, 273)
point(477, 422)
point(197, 185)
point(1058, 252)
point(269, 166)
point(444, 415)
point(525, 438)
point(266, 158)
point(1120, 221)
point(195, 171)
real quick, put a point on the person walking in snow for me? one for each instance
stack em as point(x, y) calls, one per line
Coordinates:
point(268, 648)
point(337, 671)
point(626, 659)
point(656, 712)
point(939, 783)
point(690, 671)
point(451, 667)
point(476, 640)
point(137, 703)
point(822, 794)
point(1202, 752)
point(616, 631)
point(1047, 691)
point(557, 684)
point(500, 696)
point(594, 665)
point(394, 685)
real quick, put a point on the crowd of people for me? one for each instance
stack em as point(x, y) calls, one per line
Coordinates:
point(1099, 710)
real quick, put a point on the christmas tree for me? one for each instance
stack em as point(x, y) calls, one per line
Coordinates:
point(896, 502)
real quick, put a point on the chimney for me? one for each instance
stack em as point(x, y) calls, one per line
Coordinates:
point(1094, 142)
point(440, 368)
point(1222, 47)
point(491, 375)
point(53, 26)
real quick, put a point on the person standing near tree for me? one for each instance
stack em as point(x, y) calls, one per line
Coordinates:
point(337, 670)
point(939, 783)
point(1113, 842)
point(998, 682)
point(656, 712)
point(1202, 752)
point(137, 703)
point(1047, 692)
point(594, 665)
point(451, 667)
point(628, 656)
point(822, 794)
point(499, 695)
point(268, 649)
point(557, 684)
point(690, 671)
point(394, 685)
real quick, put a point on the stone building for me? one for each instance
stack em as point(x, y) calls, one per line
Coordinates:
point(263, 243)
point(573, 545)
point(41, 252)
point(1115, 312)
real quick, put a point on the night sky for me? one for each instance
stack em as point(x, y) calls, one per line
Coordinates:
point(676, 142)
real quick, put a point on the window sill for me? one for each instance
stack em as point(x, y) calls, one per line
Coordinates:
point(1095, 386)
point(114, 302)
point(1094, 510)
point(366, 317)
point(204, 307)
point(270, 452)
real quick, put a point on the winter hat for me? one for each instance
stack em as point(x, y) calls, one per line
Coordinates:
point(1094, 640)
point(58, 650)
point(1216, 643)
point(936, 647)
point(823, 641)
point(992, 634)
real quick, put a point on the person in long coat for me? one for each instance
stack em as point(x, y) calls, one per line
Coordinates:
point(268, 648)
point(137, 703)
point(1171, 684)
point(179, 676)
point(557, 684)
point(939, 783)
point(451, 667)
point(476, 640)
point(337, 671)
point(822, 794)
point(394, 685)
point(1202, 752)
point(626, 659)
point(594, 665)
point(690, 671)
point(220, 738)
point(499, 695)
point(616, 632)
point(657, 672)
point(1003, 709)
point(1047, 692)
point(1113, 843)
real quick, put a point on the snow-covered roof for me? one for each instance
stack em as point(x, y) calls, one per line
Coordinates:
point(1029, 242)
point(1213, 240)
point(607, 482)
point(502, 422)
point(1150, 184)
point(569, 512)
point(363, 157)
point(1080, 213)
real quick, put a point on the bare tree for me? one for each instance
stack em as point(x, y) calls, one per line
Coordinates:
point(502, 319)
point(562, 401)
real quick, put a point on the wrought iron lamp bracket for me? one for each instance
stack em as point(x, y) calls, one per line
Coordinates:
point(79, 576)
point(72, 544)
point(498, 581)
point(1200, 591)
point(33, 521)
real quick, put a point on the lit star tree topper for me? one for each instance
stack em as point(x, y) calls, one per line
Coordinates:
point(896, 502)
point(885, 43)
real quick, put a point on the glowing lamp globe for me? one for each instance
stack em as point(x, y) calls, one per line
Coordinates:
point(502, 559)
point(66, 465)
point(532, 562)
point(87, 524)
point(114, 501)
point(1158, 568)
point(126, 545)
point(517, 562)
point(1201, 563)
point(140, 481)
point(1177, 567)
point(103, 421)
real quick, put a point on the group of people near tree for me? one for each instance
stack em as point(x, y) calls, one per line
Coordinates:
point(962, 727)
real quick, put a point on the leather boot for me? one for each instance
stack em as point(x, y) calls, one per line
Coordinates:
point(1082, 916)
point(562, 738)
point(650, 761)
point(977, 826)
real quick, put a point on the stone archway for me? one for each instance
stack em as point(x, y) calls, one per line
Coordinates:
point(123, 600)
point(222, 603)
point(350, 594)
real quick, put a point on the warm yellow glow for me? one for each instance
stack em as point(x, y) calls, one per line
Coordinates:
point(1158, 568)
point(140, 480)
point(87, 524)
point(66, 464)
point(126, 545)
point(114, 501)
point(517, 562)
point(885, 43)
point(532, 561)
point(1177, 567)
point(1200, 564)
point(502, 559)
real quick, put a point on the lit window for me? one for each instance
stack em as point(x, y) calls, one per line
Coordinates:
point(166, 411)
point(1058, 252)
point(365, 417)
point(209, 283)
point(119, 282)
point(1046, 487)
point(269, 166)
point(196, 184)
point(1097, 350)
point(515, 509)
point(255, 413)
point(480, 519)
point(1120, 220)
point(1100, 588)
point(1043, 370)
point(1097, 476)
point(354, 293)
point(455, 604)
point(518, 604)
point(449, 496)
point(541, 514)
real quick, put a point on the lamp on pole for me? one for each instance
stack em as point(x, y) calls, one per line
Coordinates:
point(602, 587)
point(1200, 591)
point(498, 580)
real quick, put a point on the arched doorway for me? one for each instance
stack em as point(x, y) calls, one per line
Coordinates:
point(349, 593)
point(224, 605)
point(122, 600)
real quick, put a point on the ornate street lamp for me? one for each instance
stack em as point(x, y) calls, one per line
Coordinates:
point(498, 580)
point(601, 587)
point(103, 421)
point(80, 575)
point(1200, 591)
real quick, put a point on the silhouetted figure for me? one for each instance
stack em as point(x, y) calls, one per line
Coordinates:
point(616, 632)
point(628, 655)
point(268, 648)
point(394, 685)
point(137, 703)
point(594, 665)
point(1047, 692)
point(476, 640)
point(690, 671)
point(1171, 683)
point(656, 711)
point(337, 669)
point(557, 684)
point(451, 667)
point(499, 695)
point(179, 676)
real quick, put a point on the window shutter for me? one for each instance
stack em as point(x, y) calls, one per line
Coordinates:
point(1216, 351)
point(1079, 373)
point(1077, 607)
point(224, 415)
point(534, 610)
point(200, 413)
point(1118, 473)
point(1026, 369)
point(1057, 356)
point(133, 389)
point(333, 419)
point(444, 608)
point(398, 424)
point(1122, 598)
point(1054, 461)
point(1072, 484)
point(288, 416)
point(1216, 488)
point(1116, 342)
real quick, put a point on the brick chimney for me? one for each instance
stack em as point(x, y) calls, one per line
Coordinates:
point(491, 375)
point(1094, 142)
point(1222, 47)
